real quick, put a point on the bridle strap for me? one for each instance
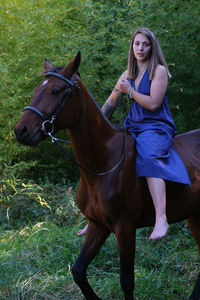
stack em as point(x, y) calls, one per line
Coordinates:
point(54, 74)
point(62, 102)
point(28, 107)
point(66, 153)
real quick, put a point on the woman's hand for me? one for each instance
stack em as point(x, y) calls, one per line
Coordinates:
point(123, 85)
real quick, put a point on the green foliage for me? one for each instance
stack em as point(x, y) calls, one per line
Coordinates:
point(31, 31)
point(23, 201)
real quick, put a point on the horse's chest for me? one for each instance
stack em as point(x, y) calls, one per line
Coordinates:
point(89, 201)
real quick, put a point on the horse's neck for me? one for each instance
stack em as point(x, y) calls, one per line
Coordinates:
point(91, 139)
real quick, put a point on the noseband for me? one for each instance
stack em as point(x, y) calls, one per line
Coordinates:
point(47, 126)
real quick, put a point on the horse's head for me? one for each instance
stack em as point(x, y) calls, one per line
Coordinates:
point(57, 104)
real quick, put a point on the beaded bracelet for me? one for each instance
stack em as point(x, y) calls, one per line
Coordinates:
point(129, 93)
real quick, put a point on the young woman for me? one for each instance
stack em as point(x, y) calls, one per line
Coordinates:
point(149, 121)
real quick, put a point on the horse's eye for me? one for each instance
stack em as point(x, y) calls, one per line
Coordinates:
point(55, 91)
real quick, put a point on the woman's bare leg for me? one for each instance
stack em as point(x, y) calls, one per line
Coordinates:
point(82, 231)
point(157, 190)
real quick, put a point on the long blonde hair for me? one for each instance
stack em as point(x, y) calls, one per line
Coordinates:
point(156, 56)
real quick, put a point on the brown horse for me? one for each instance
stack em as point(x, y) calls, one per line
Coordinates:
point(117, 201)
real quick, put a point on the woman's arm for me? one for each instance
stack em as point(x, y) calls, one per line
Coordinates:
point(113, 100)
point(157, 92)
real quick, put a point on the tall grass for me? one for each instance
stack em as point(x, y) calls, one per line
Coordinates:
point(36, 263)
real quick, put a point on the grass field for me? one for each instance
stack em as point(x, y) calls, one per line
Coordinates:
point(36, 263)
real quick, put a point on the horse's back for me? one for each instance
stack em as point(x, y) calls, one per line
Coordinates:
point(188, 146)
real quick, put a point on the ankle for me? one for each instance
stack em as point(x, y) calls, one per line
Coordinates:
point(162, 218)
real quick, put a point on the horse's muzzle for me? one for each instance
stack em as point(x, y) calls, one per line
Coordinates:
point(25, 138)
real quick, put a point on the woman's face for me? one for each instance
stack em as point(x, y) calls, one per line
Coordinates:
point(141, 47)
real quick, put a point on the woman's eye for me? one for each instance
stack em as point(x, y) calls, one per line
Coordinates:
point(55, 91)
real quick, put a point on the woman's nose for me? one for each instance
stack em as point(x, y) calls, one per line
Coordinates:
point(141, 47)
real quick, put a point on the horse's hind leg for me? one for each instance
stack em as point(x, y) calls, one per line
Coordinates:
point(95, 238)
point(125, 234)
point(194, 225)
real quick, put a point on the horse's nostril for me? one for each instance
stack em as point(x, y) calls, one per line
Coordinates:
point(23, 130)
point(20, 132)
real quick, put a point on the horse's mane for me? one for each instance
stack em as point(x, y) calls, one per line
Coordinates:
point(116, 126)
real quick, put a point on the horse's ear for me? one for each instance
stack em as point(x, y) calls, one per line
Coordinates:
point(47, 65)
point(77, 61)
point(78, 73)
point(73, 66)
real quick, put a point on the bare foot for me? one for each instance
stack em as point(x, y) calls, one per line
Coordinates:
point(160, 229)
point(82, 231)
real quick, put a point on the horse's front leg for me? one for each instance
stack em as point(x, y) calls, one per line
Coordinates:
point(125, 234)
point(95, 238)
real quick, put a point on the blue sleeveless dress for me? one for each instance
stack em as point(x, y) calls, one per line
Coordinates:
point(154, 133)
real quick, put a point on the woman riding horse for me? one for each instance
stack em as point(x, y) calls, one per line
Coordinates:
point(149, 121)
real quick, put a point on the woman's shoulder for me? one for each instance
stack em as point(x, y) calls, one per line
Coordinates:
point(160, 71)
point(124, 74)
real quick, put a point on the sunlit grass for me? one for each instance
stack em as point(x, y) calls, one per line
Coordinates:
point(36, 263)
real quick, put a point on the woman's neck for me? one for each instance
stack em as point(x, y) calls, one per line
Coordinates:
point(142, 66)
